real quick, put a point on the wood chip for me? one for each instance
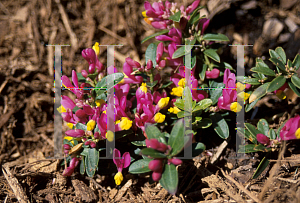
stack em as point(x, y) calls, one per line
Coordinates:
point(123, 190)
point(83, 191)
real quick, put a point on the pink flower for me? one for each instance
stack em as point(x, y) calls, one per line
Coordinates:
point(203, 24)
point(90, 56)
point(213, 74)
point(67, 83)
point(121, 162)
point(70, 170)
point(192, 7)
point(263, 139)
point(291, 130)
point(75, 133)
point(128, 69)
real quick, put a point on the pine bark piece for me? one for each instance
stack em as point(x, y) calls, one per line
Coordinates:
point(83, 191)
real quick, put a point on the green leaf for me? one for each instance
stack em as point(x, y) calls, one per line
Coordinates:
point(276, 83)
point(76, 108)
point(93, 76)
point(151, 84)
point(152, 153)
point(204, 123)
point(261, 167)
point(151, 53)
point(281, 53)
point(82, 166)
point(197, 148)
point(289, 63)
point(274, 54)
point(296, 81)
point(263, 126)
point(167, 85)
point(244, 132)
point(91, 161)
point(116, 77)
point(220, 126)
point(187, 98)
point(215, 94)
point(80, 77)
point(294, 88)
point(140, 166)
point(259, 92)
point(253, 131)
point(263, 68)
point(204, 103)
point(272, 134)
point(139, 143)
point(176, 16)
point(278, 63)
point(179, 103)
point(296, 62)
point(211, 53)
point(215, 37)
point(180, 114)
point(248, 107)
point(176, 137)
point(154, 35)
point(169, 179)
point(203, 71)
point(195, 16)
point(179, 52)
point(252, 148)
point(152, 131)
point(80, 126)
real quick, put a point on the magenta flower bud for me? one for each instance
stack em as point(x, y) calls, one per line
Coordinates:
point(156, 176)
point(192, 7)
point(156, 165)
point(159, 51)
point(66, 151)
point(97, 135)
point(132, 63)
point(75, 133)
point(162, 64)
point(262, 139)
point(80, 113)
point(149, 65)
point(87, 142)
point(162, 147)
point(175, 161)
point(68, 171)
point(152, 143)
point(93, 144)
point(84, 73)
point(67, 147)
point(213, 74)
point(91, 68)
point(247, 86)
point(159, 24)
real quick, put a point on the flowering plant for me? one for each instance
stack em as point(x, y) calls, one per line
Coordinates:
point(144, 103)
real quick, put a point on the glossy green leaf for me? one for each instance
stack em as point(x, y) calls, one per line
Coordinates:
point(176, 16)
point(244, 132)
point(220, 126)
point(272, 134)
point(203, 71)
point(152, 131)
point(278, 63)
point(187, 98)
point(169, 179)
point(154, 35)
point(176, 137)
point(294, 88)
point(281, 53)
point(91, 161)
point(180, 114)
point(204, 103)
point(252, 148)
point(296, 62)
point(152, 153)
point(296, 81)
point(215, 37)
point(179, 103)
point(140, 166)
point(248, 107)
point(116, 77)
point(211, 53)
point(253, 131)
point(263, 126)
point(151, 53)
point(276, 83)
point(259, 92)
point(179, 52)
point(289, 63)
point(197, 148)
point(80, 77)
point(252, 81)
point(80, 126)
point(263, 68)
point(215, 94)
point(261, 167)
point(82, 165)
point(92, 76)
point(274, 54)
